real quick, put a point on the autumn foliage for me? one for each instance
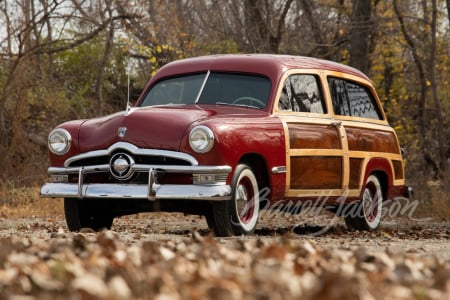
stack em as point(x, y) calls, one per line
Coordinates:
point(63, 60)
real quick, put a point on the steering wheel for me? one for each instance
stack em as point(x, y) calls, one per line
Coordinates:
point(249, 99)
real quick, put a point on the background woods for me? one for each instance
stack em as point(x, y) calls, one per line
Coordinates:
point(67, 59)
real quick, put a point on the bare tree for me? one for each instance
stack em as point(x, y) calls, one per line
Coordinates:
point(424, 61)
point(262, 34)
point(100, 102)
point(360, 32)
point(443, 146)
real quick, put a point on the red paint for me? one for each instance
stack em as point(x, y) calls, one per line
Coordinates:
point(381, 165)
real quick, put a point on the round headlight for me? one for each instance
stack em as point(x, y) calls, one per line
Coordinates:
point(201, 139)
point(59, 141)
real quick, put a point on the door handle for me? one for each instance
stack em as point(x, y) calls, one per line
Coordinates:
point(336, 123)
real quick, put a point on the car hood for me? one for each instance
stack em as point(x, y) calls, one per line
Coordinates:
point(160, 127)
point(148, 127)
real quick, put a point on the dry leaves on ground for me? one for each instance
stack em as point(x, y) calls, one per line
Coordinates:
point(104, 266)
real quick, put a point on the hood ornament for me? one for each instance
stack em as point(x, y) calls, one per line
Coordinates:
point(121, 132)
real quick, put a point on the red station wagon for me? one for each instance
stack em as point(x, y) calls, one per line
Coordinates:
point(226, 136)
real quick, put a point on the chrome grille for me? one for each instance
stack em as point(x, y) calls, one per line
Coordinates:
point(139, 159)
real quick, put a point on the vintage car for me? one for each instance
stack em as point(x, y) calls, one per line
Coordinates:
point(226, 136)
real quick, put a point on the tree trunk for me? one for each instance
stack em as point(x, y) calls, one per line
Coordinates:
point(359, 34)
point(260, 35)
point(102, 68)
point(437, 103)
point(448, 10)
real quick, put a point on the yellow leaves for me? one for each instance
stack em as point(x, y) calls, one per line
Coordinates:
point(345, 54)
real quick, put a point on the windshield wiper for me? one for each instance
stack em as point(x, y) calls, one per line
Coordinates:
point(240, 105)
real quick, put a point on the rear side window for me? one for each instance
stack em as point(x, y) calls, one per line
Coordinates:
point(301, 93)
point(352, 99)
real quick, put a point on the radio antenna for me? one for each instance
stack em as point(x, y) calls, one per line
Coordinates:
point(127, 110)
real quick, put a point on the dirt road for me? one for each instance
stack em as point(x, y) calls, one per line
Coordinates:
point(171, 256)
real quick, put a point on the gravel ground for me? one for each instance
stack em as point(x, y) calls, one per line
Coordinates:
point(172, 256)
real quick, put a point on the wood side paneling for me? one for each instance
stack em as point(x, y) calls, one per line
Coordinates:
point(313, 136)
point(355, 172)
point(316, 172)
point(398, 169)
point(360, 139)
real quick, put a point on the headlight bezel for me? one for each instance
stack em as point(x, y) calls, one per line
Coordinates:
point(65, 138)
point(197, 135)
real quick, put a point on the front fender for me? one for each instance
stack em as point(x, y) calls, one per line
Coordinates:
point(73, 127)
point(236, 138)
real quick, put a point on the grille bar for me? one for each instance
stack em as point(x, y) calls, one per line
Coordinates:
point(182, 158)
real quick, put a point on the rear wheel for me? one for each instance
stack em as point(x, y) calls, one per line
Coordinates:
point(240, 215)
point(87, 214)
point(366, 214)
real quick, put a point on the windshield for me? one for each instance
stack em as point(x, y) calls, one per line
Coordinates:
point(211, 88)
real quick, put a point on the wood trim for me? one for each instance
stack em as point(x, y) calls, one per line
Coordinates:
point(332, 163)
point(316, 152)
point(354, 160)
point(356, 165)
point(319, 136)
point(316, 172)
point(398, 169)
point(293, 193)
point(365, 139)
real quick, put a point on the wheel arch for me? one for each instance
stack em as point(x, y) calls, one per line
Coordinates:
point(259, 167)
point(382, 169)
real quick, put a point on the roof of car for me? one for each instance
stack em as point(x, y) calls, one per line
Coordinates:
point(268, 64)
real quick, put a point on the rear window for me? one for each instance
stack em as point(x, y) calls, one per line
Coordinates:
point(352, 99)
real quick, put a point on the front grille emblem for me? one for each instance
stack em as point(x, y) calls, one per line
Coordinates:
point(121, 132)
point(121, 166)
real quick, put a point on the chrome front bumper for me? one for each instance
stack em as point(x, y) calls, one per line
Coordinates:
point(137, 191)
point(152, 190)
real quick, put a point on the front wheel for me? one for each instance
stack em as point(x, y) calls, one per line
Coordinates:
point(87, 214)
point(240, 215)
point(366, 214)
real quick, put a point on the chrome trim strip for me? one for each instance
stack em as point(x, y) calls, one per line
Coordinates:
point(279, 170)
point(137, 191)
point(133, 150)
point(202, 87)
point(142, 168)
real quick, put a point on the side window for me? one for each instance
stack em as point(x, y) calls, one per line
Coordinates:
point(361, 102)
point(339, 96)
point(301, 93)
point(352, 99)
